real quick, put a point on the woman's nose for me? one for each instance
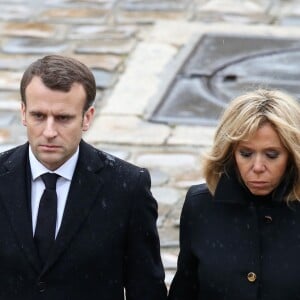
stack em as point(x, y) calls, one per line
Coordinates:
point(258, 164)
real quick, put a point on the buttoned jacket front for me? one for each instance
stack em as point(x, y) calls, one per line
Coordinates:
point(236, 247)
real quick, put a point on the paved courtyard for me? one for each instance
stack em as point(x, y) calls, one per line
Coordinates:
point(132, 47)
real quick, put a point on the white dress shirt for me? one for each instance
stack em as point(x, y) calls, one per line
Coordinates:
point(65, 172)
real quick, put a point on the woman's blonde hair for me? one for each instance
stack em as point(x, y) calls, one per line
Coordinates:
point(241, 119)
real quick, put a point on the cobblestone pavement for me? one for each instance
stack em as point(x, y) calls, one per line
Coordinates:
point(131, 46)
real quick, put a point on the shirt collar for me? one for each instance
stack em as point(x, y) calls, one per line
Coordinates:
point(66, 170)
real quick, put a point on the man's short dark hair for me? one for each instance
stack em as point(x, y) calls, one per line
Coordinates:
point(60, 73)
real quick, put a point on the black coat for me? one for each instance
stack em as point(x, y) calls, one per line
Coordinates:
point(237, 247)
point(107, 241)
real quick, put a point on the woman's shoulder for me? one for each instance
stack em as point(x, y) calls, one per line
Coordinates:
point(198, 189)
point(198, 200)
point(198, 195)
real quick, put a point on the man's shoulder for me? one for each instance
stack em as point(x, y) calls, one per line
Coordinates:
point(4, 155)
point(13, 158)
point(120, 167)
point(114, 169)
point(111, 161)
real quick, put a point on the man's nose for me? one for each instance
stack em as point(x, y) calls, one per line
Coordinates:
point(50, 129)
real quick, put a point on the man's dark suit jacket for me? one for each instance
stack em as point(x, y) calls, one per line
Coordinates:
point(107, 241)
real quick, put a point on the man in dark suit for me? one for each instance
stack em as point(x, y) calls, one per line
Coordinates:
point(105, 242)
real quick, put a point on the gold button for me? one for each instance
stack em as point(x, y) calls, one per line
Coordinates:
point(268, 219)
point(251, 277)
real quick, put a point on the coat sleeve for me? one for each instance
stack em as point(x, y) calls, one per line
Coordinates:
point(144, 273)
point(185, 284)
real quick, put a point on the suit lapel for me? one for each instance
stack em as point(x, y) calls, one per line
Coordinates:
point(14, 183)
point(84, 189)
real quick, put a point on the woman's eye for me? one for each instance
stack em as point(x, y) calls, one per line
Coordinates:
point(245, 153)
point(272, 154)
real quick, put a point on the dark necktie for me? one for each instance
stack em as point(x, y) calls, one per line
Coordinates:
point(46, 221)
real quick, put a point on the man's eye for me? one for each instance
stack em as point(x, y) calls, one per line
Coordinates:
point(38, 116)
point(245, 153)
point(63, 118)
point(272, 154)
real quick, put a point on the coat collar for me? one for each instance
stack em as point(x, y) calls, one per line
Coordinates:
point(231, 190)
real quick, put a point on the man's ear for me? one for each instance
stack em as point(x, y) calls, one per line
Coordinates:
point(88, 118)
point(23, 113)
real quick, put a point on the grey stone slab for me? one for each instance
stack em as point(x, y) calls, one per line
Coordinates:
point(188, 183)
point(169, 275)
point(230, 6)
point(104, 79)
point(33, 46)
point(5, 147)
point(169, 260)
point(169, 238)
point(6, 119)
point(166, 195)
point(76, 14)
point(289, 20)
point(148, 12)
point(288, 13)
point(170, 244)
point(105, 47)
point(172, 222)
point(31, 29)
point(192, 135)
point(186, 180)
point(163, 212)
point(102, 32)
point(176, 162)
point(126, 130)
point(103, 4)
point(158, 178)
point(8, 105)
point(246, 12)
point(10, 80)
point(17, 12)
point(148, 17)
point(118, 153)
point(141, 80)
point(159, 222)
point(5, 135)
point(11, 130)
point(154, 5)
point(16, 62)
point(10, 100)
point(106, 62)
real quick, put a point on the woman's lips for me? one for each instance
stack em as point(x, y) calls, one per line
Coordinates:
point(257, 184)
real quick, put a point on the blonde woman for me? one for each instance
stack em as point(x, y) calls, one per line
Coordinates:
point(240, 231)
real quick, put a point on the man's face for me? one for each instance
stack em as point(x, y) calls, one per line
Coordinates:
point(54, 121)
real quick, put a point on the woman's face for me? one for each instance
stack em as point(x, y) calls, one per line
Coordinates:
point(262, 160)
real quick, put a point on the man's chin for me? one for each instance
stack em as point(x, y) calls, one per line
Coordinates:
point(50, 160)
